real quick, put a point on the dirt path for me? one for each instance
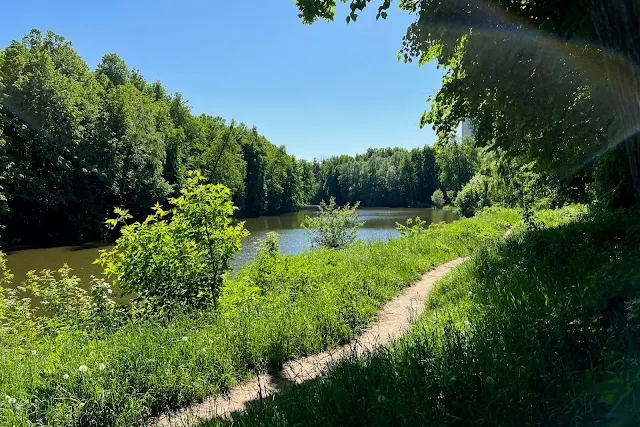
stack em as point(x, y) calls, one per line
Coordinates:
point(394, 319)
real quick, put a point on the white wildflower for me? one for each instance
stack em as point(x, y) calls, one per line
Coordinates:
point(33, 352)
point(470, 294)
point(102, 366)
point(65, 376)
point(185, 339)
point(83, 368)
point(467, 323)
point(11, 400)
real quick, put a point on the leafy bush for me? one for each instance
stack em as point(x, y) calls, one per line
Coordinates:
point(438, 198)
point(335, 226)
point(63, 304)
point(177, 258)
point(412, 227)
point(451, 195)
point(473, 196)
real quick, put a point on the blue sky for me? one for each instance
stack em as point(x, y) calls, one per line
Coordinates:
point(320, 90)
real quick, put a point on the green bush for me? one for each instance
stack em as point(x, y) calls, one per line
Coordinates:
point(335, 226)
point(176, 259)
point(438, 198)
point(451, 195)
point(473, 196)
point(412, 227)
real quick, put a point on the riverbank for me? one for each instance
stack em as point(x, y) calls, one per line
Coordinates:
point(380, 225)
point(542, 329)
point(274, 309)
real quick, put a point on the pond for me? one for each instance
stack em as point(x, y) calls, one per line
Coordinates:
point(380, 224)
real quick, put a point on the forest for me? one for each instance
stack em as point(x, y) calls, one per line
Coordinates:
point(75, 143)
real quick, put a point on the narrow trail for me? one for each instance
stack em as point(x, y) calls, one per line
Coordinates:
point(393, 321)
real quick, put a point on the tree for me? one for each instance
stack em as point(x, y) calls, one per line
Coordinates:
point(177, 258)
point(517, 69)
point(138, 148)
point(438, 198)
point(114, 69)
point(457, 161)
point(380, 177)
point(335, 226)
point(473, 196)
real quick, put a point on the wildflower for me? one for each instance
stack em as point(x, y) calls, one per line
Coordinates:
point(467, 323)
point(381, 398)
point(102, 366)
point(33, 352)
point(83, 368)
point(65, 376)
point(470, 294)
point(11, 400)
point(185, 339)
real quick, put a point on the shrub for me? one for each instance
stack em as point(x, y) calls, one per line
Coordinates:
point(177, 258)
point(335, 226)
point(451, 195)
point(412, 228)
point(473, 196)
point(438, 198)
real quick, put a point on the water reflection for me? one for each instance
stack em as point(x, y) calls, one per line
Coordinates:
point(380, 224)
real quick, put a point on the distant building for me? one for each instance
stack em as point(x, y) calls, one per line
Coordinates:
point(467, 128)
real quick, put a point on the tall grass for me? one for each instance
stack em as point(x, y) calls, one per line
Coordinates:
point(275, 308)
point(541, 329)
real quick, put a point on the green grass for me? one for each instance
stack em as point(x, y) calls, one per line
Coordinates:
point(541, 329)
point(273, 309)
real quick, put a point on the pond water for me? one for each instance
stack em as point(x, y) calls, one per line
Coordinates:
point(380, 224)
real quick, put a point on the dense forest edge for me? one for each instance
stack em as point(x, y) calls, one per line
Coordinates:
point(75, 143)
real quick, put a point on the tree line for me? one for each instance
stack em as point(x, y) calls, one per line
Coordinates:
point(396, 177)
point(75, 143)
point(456, 172)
